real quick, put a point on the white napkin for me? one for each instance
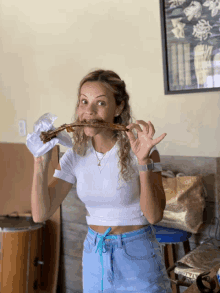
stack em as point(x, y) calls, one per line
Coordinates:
point(36, 145)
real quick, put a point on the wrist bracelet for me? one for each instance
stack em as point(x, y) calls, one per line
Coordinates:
point(154, 167)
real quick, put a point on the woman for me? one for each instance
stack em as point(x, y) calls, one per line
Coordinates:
point(121, 204)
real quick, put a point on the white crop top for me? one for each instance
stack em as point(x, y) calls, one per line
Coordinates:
point(108, 203)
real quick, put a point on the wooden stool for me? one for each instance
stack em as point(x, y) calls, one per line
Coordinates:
point(169, 237)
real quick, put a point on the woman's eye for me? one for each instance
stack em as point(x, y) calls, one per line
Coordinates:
point(103, 103)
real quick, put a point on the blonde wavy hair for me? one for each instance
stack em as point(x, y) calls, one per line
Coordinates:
point(112, 82)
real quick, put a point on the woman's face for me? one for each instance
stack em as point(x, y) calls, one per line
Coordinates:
point(96, 102)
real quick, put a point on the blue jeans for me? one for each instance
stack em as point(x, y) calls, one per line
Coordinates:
point(128, 262)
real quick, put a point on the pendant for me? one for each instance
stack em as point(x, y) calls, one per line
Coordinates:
point(99, 164)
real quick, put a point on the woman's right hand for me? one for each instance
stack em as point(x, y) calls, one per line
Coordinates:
point(45, 159)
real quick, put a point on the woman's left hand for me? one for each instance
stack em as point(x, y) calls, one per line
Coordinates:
point(144, 142)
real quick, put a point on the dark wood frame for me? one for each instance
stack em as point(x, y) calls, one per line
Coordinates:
point(167, 90)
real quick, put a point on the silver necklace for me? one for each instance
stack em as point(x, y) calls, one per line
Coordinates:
point(99, 164)
point(99, 161)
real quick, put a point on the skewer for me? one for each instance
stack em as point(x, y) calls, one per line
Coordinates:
point(46, 136)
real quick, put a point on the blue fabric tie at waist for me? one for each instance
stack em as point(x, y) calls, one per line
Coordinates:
point(100, 246)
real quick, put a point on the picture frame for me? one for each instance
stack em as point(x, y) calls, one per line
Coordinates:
point(190, 45)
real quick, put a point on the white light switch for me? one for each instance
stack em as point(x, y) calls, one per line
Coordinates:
point(22, 127)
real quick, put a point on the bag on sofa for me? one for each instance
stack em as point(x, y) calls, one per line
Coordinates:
point(185, 204)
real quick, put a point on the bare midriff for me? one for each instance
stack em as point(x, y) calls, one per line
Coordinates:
point(116, 229)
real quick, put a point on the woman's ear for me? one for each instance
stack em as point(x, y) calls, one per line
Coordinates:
point(121, 107)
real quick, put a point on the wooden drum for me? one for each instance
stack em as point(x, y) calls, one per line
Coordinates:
point(21, 254)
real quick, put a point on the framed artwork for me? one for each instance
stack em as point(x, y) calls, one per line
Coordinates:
point(190, 45)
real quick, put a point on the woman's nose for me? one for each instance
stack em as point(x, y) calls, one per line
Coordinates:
point(90, 109)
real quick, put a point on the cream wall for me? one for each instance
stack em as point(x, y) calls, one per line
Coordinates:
point(48, 46)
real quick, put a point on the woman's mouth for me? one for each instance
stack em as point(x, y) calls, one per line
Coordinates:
point(92, 120)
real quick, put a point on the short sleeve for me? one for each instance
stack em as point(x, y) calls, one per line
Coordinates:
point(67, 167)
